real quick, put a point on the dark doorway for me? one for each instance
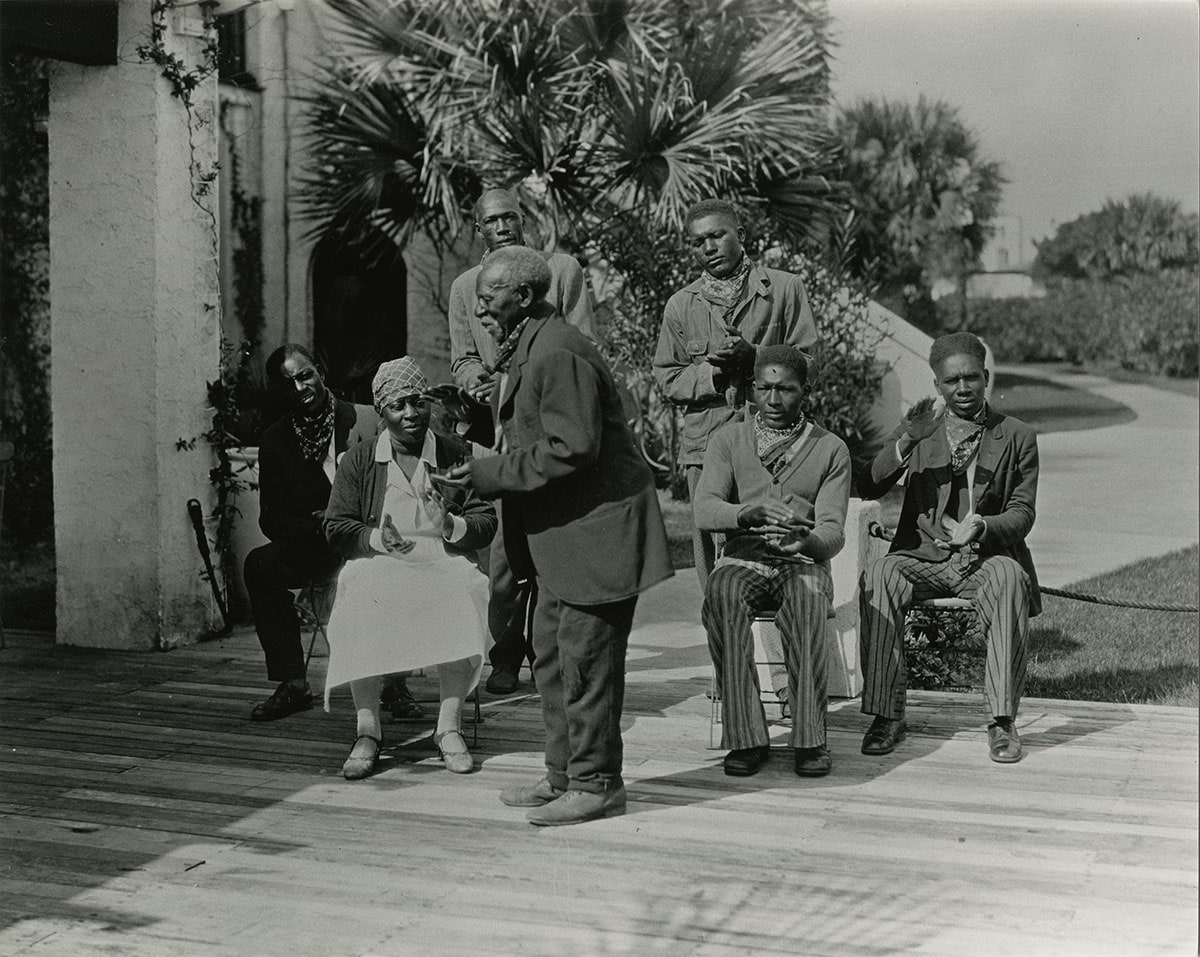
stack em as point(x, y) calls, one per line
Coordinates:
point(359, 317)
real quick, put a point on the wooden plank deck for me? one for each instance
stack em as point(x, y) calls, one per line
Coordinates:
point(141, 812)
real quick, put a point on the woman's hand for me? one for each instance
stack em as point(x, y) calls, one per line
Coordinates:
point(435, 506)
point(395, 543)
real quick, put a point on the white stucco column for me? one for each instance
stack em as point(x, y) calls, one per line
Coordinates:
point(134, 338)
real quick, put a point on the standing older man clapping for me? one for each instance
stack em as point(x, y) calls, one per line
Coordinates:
point(581, 517)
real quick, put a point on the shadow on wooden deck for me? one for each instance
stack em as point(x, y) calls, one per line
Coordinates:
point(143, 813)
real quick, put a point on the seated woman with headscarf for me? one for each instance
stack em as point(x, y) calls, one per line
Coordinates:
point(412, 594)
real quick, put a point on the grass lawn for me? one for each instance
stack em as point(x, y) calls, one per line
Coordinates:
point(1053, 407)
point(1097, 653)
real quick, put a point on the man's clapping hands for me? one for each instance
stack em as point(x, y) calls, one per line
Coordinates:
point(782, 529)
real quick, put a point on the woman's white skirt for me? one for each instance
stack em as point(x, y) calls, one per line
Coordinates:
point(393, 615)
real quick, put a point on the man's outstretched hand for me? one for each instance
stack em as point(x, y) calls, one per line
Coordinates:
point(457, 476)
point(922, 420)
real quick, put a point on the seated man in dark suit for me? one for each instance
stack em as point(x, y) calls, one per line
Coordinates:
point(296, 461)
point(778, 486)
point(972, 477)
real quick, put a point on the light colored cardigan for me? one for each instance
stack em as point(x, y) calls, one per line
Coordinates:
point(815, 483)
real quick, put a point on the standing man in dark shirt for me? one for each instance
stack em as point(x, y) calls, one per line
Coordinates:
point(296, 461)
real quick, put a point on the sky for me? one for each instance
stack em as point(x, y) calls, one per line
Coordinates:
point(1079, 100)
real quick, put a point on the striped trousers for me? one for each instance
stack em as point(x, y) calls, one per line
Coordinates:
point(802, 595)
point(997, 588)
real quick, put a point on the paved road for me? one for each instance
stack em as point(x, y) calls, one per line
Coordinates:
point(1111, 496)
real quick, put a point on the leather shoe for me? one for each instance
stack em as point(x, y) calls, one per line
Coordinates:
point(286, 700)
point(575, 807)
point(531, 795)
point(1004, 744)
point(361, 766)
point(743, 762)
point(883, 735)
point(502, 681)
point(458, 761)
point(400, 701)
point(813, 762)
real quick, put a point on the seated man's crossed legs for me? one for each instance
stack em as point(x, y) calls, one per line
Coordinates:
point(998, 589)
point(801, 593)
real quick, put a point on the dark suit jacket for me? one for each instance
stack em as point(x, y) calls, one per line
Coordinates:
point(356, 505)
point(291, 489)
point(1004, 493)
point(580, 509)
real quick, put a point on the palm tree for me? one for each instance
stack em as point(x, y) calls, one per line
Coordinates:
point(924, 193)
point(608, 117)
point(1143, 234)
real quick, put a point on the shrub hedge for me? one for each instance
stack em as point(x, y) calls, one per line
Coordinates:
point(1147, 323)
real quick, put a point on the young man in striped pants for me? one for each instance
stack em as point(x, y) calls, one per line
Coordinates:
point(969, 503)
point(778, 486)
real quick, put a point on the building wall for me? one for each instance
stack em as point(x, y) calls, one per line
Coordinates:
point(134, 313)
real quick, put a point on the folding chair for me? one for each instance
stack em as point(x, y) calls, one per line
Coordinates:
point(314, 604)
point(7, 450)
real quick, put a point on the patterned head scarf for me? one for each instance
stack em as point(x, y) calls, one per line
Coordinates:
point(396, 379)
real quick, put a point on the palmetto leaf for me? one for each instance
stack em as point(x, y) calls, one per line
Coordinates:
point(602, 105)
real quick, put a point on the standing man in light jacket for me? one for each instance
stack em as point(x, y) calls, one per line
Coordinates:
point(500, 223)
point(581, 518)
point(711, 332)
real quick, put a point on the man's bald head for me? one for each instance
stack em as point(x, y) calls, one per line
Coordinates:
point(498, 219)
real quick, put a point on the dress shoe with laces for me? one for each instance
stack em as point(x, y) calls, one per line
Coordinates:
point(575, 807)
point(883, 735)
point(531, 795)
point(502, 681)
point(1004, 744)
point(743, 762)
point(813, 762)
point(459, 760)
point(286, 700)
point(359, 766)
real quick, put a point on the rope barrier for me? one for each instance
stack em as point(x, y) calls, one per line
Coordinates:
point(1120, 602)
point(875, 530)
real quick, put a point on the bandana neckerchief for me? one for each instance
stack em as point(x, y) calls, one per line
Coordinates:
point(727, 292)
point(507, 348)
point(770, 442)
point(314, 432)
point(964, 436)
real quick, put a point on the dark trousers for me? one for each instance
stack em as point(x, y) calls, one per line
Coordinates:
point(508, 609)
point(800, 596)
point(580, 675)
point(270, 571)
point(997, 588)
